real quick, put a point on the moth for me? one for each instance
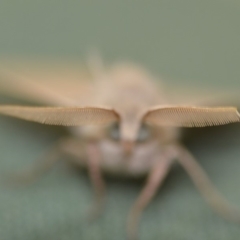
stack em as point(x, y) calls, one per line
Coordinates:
point(120, 123)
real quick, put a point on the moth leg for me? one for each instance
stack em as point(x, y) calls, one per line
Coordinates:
point(97, 180)
point(154, 181)
point(45, 163)
point(205, 186)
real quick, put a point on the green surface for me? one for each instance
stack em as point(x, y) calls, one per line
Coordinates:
point(197, 42)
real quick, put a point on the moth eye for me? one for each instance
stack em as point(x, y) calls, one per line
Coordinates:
point(144, 133)
point(114, 132)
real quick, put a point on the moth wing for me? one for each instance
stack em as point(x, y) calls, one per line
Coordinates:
point(48, 83)
point(180, 94)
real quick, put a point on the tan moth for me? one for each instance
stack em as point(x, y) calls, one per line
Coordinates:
point(120, 123)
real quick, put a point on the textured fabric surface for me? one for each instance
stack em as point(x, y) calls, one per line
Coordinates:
point(194, 41)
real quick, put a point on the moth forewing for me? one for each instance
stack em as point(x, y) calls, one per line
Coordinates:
point(46, 82)
point(138, 121)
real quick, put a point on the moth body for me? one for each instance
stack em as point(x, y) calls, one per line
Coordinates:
point(130, 91)
point(120, 123)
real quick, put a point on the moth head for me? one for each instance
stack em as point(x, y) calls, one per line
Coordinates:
point(118, 132)
point(130, 131)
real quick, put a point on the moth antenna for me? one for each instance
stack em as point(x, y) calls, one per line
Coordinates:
point(191, 116)
point(62, 116)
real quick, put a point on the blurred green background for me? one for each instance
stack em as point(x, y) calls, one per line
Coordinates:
point(194, 43)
